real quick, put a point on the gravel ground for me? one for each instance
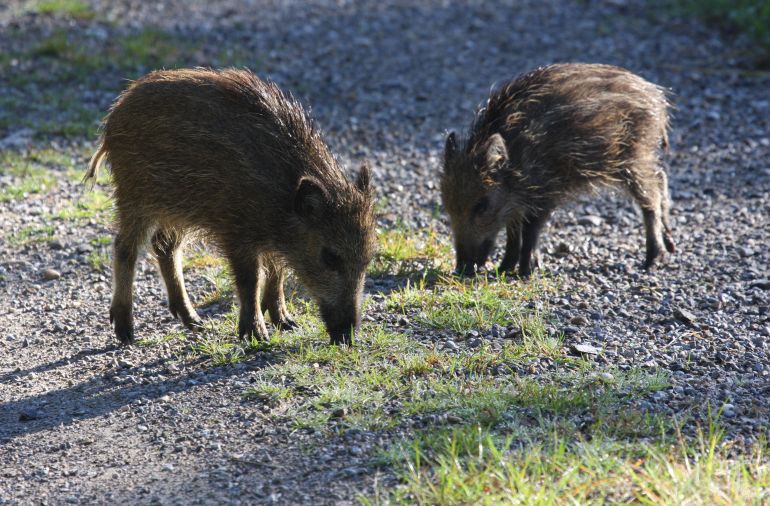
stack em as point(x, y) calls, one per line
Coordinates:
point(84, 422)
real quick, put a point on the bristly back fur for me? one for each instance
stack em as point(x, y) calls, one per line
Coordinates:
point(572, 123)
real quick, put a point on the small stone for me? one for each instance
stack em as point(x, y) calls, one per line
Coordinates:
point(450, 345)
point(728, 410)
point(28, 416)
point(745, 251)
point(762, 284)
point(84, 248)
point(474, 342)
point(125, 364)
point(569, 329)
point(685, 316)
point(168, 467)
point(51, 274)
point(585, 349)
point(403, 321)
point(339, 413)
point(579, 320)
point(606, 376)
point(590, 220)
point(562, 250)
point(56, 244)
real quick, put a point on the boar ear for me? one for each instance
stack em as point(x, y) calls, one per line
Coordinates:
point(450, 148)
point(364, 179)
point(310, 198)
point(496, 152)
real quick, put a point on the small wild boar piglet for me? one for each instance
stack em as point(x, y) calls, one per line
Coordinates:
point(231, 156)
point(544, 138)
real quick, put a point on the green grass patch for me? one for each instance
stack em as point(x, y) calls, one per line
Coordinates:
point(76, 9)
point(473, 465)
point(66, 59)
point(142, 49)
point(387, 378)
point(221, 351)
point(200, 258)
point(31, 234)
point(99, 258)
point(93, 205)
point(220, 280)
point(30, 172)
point(479, 303)
point(751, 17)
point(405, 252)
point(178, 335)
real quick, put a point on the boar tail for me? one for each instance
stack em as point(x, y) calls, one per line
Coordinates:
point(93, 166)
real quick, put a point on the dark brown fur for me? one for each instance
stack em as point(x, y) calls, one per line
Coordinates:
point(542, 139)
point(230, 155)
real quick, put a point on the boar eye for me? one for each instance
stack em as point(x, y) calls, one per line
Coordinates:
point(480, 207)
point(331, 260)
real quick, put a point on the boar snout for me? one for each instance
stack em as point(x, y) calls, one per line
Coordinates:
point(471, 258)
point(341, 321)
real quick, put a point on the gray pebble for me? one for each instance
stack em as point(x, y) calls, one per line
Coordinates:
point(590, 220)
point(51, 274)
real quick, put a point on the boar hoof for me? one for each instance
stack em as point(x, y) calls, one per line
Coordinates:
point(194, 324)
point(124, 326)
point(248, 331)
point(342, 338)
point(649, 262)
point(669, 243)
point(286, 323)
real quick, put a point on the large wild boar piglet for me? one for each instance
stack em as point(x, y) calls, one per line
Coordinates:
point(231, 156)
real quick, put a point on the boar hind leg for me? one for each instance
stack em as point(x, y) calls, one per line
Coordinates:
point(665, 205)
point(167, 246)
point(512, 247)
point(530, 234)
point(128, 242)
point(248, 279)
point(274, 299)
point(649, 198)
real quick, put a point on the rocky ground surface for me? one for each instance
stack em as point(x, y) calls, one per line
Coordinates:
point(82, 421)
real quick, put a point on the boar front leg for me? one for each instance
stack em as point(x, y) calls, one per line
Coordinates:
point(512, 247)
point(275, 301)
point(246, 269)
point(530, 234)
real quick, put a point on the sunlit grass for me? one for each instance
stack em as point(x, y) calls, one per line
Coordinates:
point(29, 172)
point(77, 9)
point(405, 252)
point(474, 465)
point(31, 234)
point(462, 305)
point(95, 204)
